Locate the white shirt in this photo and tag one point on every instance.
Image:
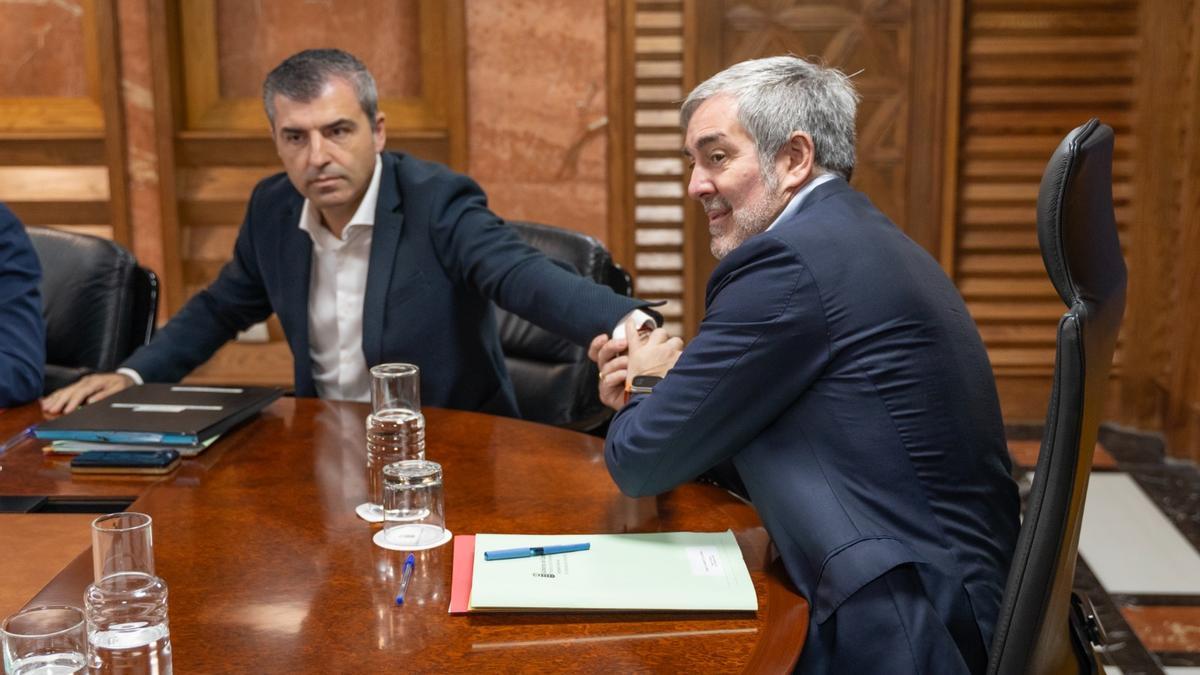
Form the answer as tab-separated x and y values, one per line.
336	290
794	205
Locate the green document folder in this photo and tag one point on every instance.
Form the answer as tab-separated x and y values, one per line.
661	571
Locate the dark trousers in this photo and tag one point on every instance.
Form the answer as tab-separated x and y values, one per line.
893	626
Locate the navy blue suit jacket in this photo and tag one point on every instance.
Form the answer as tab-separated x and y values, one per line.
438	259
839	370
22	329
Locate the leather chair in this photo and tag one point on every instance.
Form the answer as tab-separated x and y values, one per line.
554	381
98	303
1043	627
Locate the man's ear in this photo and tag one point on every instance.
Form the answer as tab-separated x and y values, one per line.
378	132
796	162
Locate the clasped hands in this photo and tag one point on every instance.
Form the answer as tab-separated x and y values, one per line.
647	352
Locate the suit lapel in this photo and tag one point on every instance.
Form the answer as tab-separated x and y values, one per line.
385	240
297	250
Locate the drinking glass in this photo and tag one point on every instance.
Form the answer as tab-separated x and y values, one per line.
395	428
413	506
121	542
395	387
45	641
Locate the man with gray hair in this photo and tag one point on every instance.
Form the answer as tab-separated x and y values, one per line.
837	379
366	257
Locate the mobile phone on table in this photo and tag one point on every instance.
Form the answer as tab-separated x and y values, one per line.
117	461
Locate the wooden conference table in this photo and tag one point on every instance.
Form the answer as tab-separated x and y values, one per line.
269	570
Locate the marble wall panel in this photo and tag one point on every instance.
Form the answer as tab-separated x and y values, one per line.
536	110
253	37
42	49
137	97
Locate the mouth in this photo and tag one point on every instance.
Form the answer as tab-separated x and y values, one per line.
716	214
716	208
324	181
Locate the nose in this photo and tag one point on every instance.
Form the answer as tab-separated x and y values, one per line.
317	156
699	184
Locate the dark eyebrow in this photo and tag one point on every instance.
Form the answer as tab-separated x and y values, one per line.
705	140
344	121
336	123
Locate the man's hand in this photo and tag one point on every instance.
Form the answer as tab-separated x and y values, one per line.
653	354
609	354
90	389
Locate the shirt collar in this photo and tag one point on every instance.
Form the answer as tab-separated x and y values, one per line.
794	205
364	216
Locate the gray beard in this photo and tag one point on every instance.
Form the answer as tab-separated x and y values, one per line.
749	221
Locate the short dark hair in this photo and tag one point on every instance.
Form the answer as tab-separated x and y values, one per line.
303	75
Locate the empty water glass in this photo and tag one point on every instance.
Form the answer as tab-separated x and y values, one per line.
413	506
122	542
395	386
44	641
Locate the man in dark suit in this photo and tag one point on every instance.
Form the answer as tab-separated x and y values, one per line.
838	371
367	257
22	329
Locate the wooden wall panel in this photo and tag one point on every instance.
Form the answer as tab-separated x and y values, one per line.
1158	388
648	232
61	160
1030	74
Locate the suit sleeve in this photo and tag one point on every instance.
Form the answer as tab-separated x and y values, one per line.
22	329
762	343
236	300
480	249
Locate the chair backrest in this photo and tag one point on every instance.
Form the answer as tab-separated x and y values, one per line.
1077	235
98	303
555	383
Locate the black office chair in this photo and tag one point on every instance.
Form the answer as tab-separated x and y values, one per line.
554	381
98	303
1043	627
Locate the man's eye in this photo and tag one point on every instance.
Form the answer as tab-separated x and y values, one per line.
293	138
339	132
717	157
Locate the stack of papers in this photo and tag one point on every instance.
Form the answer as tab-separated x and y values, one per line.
79	447
659	571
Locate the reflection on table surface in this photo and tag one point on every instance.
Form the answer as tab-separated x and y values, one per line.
269	569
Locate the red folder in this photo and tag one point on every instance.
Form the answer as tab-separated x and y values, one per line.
460	580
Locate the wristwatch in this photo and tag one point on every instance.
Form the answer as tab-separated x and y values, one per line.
643	384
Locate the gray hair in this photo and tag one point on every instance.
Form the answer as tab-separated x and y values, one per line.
302	76
780	95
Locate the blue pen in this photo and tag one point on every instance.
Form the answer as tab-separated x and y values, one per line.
530	551
18	438
405	576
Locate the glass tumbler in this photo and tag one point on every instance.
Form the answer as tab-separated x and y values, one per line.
44	640
122	542
395	386
413	506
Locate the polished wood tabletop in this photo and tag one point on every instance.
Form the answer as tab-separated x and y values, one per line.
269	569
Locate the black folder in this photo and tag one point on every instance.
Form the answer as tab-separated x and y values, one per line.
160	414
